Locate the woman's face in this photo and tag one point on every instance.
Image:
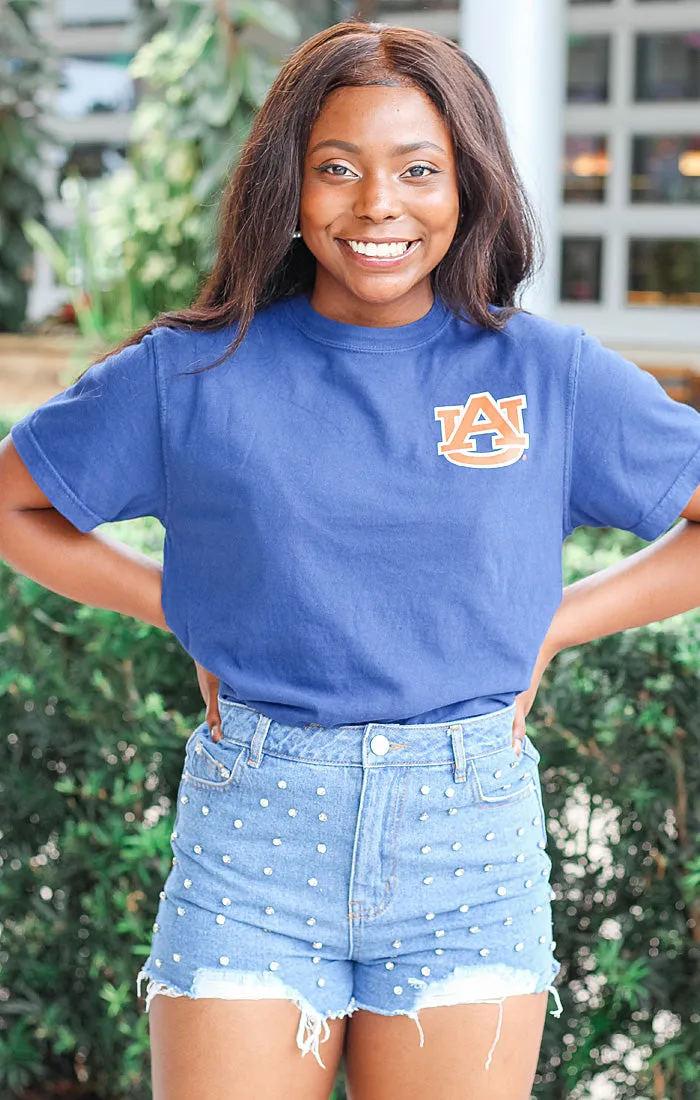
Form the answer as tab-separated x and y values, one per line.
379	203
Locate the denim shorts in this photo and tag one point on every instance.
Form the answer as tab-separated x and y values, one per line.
381	866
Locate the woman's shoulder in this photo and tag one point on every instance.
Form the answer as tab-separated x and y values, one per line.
187	348
525	326
534	338
187	341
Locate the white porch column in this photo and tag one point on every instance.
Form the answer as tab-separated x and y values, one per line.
520	45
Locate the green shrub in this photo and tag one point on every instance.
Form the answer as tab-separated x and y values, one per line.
27	74
95	708
616	723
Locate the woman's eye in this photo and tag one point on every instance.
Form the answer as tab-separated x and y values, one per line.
415	168
341	171
328	169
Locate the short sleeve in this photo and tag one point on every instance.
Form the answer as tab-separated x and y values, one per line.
95	449
635	451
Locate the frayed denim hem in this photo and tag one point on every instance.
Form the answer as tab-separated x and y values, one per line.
313	1026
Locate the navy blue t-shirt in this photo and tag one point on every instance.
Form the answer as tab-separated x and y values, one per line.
366	524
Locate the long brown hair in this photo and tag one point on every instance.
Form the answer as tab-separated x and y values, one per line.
259	261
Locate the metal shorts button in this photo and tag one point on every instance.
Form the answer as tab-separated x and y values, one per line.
379	745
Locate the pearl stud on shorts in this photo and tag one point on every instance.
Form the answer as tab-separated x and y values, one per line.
370	838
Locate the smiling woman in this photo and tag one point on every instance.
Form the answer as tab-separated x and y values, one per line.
366	457
379	218
447	185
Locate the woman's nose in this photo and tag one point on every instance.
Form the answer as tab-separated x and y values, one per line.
377	198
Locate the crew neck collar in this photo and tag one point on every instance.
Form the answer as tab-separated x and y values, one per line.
364	337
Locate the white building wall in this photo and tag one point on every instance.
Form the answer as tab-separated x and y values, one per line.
520	47
651	329
493	31
76	29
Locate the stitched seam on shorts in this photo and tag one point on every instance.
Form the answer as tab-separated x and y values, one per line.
314	762
519	796
485	718
374	910
389	886
233	780
204	785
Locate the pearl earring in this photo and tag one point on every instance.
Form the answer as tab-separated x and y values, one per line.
296	234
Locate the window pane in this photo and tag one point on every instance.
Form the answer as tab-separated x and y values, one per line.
668	66
386	6
586	168
666	168
74	13
94	84
91	160
581	263
664	272
589	62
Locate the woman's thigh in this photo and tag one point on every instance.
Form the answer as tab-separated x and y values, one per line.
384	1060
211	1049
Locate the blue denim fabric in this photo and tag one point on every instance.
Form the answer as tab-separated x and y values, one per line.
385	867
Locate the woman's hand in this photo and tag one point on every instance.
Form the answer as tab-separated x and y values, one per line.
524	701
209	687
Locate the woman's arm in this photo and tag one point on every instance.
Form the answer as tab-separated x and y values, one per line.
93	568
659	581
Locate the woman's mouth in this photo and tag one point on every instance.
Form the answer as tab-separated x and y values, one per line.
386	253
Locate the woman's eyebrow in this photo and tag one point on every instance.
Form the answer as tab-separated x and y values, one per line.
397	151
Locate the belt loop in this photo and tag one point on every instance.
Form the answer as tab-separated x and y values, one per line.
460	760
256	745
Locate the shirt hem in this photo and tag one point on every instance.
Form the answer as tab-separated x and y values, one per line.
672	502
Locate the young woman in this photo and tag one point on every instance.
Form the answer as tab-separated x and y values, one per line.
366	457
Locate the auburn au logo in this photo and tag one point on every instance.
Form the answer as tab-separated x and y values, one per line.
482	414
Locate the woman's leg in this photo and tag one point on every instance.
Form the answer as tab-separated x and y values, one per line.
384	1059
213	1049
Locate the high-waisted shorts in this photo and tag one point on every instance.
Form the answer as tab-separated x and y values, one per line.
383	867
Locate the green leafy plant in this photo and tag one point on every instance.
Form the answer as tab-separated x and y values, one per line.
143	238
25	72
615	721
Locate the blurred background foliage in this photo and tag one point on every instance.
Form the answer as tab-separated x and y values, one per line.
26	71
95	709
143	237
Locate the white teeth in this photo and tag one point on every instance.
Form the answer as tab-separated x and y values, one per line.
369	248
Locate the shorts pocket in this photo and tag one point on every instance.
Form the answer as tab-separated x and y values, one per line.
502	777
212	764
